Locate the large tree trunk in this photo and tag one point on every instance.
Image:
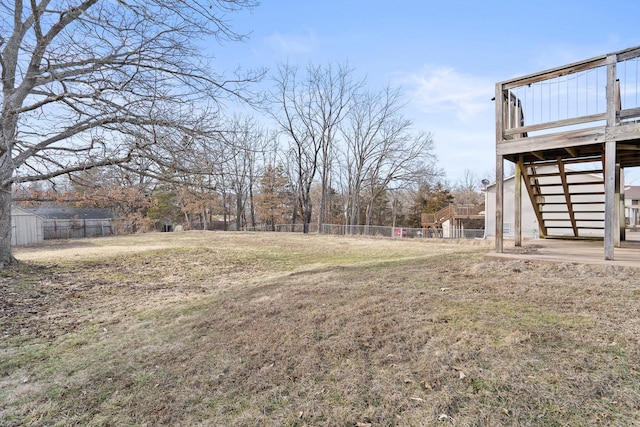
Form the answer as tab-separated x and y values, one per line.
306	215
368	216
252	206
6	257
239	210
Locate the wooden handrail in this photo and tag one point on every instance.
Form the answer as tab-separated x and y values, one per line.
449	212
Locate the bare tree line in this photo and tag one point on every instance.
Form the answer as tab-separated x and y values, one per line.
346	137
118	99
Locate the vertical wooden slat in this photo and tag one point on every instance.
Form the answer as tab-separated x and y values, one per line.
567	196
499	169
529	174
610	163
499	203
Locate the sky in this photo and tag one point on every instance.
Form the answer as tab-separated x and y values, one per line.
446	56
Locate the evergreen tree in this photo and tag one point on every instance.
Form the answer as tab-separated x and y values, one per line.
274	202
429	199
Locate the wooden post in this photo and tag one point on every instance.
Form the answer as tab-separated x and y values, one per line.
518	208
622	218
616	202
499	204
610	163
499	169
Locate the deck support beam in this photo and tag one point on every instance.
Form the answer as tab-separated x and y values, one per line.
610	164
500	104
499	204
622	219
518	206
609	199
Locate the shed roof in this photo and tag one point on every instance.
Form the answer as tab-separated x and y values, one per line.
17	210
632	192
69	213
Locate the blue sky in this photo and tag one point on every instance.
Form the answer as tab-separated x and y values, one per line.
445	55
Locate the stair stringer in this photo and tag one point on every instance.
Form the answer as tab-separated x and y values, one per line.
546	180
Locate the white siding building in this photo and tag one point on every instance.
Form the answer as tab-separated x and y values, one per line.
26	227
632	205
587	206
530	228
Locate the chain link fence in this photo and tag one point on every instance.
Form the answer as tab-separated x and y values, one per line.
79	228
371	230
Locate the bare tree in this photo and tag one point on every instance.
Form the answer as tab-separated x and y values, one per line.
308	111
380	151
363	135
244	141
467	189
88	83
403	157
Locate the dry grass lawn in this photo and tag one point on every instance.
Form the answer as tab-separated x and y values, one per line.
239	329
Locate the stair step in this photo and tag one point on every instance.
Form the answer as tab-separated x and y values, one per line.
575	211
567	173
570	184
573	203
579	227
575	219
586	193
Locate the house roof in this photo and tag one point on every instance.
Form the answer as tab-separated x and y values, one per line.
632	192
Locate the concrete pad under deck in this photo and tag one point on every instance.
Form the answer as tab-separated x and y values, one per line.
571	251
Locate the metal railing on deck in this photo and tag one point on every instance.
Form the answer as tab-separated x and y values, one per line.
572	97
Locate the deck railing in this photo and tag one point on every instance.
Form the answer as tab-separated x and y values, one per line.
579	96
452	211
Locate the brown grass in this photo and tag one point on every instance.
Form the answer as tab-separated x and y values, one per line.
242	329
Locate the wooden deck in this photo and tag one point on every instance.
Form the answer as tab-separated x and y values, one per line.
452	212
543	251
585	113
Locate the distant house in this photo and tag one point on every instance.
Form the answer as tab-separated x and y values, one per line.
26	227
632	205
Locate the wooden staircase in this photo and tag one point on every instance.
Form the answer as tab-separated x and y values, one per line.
452	212
568	203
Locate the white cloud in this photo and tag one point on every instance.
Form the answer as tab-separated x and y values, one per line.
457	109
292	44
438	90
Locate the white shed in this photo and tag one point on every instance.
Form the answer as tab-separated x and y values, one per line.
26	227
